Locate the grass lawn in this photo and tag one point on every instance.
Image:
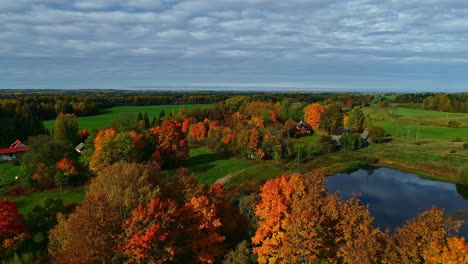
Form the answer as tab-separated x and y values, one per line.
8	172
26	203
409	122
209	167
308	144
256	174
108	115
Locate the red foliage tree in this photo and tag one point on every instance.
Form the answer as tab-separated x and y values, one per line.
203	229
151	233
67	166
12	227
171	142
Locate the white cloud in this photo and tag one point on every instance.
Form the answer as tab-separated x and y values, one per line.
254	32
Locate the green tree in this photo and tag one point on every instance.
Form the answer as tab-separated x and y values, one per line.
356	120
66	129
43	216
240	255
351	141
376	134
331	118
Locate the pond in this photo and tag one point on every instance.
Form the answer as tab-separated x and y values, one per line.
395	196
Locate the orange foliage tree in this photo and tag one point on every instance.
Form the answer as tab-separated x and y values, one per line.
411	242
300	222
171	142
198	132
312	115
455	251
100	137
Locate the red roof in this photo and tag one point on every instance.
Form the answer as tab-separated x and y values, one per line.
15	144
13	150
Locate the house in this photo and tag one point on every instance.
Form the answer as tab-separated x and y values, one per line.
79	147
302	128
365	137
15	150
337	133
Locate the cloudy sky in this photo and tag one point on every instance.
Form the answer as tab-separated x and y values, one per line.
293	45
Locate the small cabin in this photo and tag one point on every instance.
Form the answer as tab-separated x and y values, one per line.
302	128
15	150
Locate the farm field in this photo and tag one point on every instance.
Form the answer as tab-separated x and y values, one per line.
427	124
108	115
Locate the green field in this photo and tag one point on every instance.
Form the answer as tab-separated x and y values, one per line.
307	144
26	203
108	115
209	167
8	172
426	124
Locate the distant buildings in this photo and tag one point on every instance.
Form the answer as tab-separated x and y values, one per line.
15	150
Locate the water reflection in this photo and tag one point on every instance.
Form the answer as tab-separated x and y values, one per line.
395	196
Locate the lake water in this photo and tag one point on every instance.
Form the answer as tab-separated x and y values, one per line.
395	196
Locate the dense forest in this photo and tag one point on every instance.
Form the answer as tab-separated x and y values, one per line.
135	211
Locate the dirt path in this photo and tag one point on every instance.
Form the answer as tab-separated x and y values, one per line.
226	178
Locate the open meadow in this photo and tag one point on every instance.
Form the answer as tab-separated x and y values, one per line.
404	122
106	116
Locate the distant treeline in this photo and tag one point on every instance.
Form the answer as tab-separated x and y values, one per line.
457	103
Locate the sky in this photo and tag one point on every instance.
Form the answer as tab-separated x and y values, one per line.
254	45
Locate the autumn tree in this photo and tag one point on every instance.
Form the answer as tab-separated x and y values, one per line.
331	118
101	136
299	222
66	129
356	120
198	132
12	227
312	115
454	251
171	142
203	228
67	170
416	238
90	234
152	233
289	128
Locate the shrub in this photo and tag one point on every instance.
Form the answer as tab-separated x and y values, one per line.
15	162
465	145
457	139
453	123
18	191
326	144
376	134
354	166
463	174
351	141
452	150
